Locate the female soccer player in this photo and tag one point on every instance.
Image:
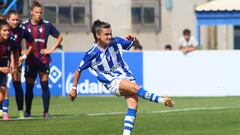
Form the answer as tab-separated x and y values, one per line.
105	59
17	33
38	62
6	57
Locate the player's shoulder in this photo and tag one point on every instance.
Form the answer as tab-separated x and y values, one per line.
25	22
94	50
21	27
46	21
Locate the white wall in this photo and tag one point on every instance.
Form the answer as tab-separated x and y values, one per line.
201	73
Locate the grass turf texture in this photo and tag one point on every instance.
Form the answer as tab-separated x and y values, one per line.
73	117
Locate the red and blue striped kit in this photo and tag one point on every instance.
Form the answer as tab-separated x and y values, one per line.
40	33
18	34
5	51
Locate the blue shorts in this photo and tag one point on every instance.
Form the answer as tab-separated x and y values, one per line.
31	71
3	80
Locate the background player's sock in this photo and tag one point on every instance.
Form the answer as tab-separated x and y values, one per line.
45	96
18	94
149	96
5	106
1	110
129	121
29	97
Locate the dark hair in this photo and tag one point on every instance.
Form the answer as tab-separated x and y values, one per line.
35	4
139	47
3	23
168	47
186	32
10	13
97	26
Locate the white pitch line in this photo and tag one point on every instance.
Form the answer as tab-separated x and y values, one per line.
117	113
167	111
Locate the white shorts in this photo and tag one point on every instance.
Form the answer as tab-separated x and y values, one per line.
113	87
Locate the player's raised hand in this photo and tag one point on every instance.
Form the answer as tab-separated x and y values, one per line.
72	94
131	37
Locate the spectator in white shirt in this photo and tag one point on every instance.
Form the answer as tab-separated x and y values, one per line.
187	43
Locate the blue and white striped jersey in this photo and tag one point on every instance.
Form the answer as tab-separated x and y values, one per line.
107	64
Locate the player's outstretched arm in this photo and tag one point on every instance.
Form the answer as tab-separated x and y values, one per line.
73	92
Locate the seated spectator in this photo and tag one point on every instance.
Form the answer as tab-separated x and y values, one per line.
168	47
187	43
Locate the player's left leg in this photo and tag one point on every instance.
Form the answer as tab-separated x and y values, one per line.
45	93
16	77
130	117
2	96
5	106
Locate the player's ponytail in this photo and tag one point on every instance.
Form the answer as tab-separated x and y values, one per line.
35	4
97	26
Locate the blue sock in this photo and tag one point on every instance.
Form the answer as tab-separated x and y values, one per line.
29	97
18	94
5	105
129	121
45	96
149	96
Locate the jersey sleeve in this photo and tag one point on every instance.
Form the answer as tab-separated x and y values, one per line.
53	31
28	36
126	44
86	62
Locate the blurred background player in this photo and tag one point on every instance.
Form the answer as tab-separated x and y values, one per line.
105	59
168	47
3	5
38	62
187	43
17	33
6	57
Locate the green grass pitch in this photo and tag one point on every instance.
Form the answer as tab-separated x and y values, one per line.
104	116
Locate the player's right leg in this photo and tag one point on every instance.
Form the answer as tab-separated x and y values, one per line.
16	77
44	71
127	87
30	75
130	117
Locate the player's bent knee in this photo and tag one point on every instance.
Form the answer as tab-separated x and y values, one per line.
135	88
